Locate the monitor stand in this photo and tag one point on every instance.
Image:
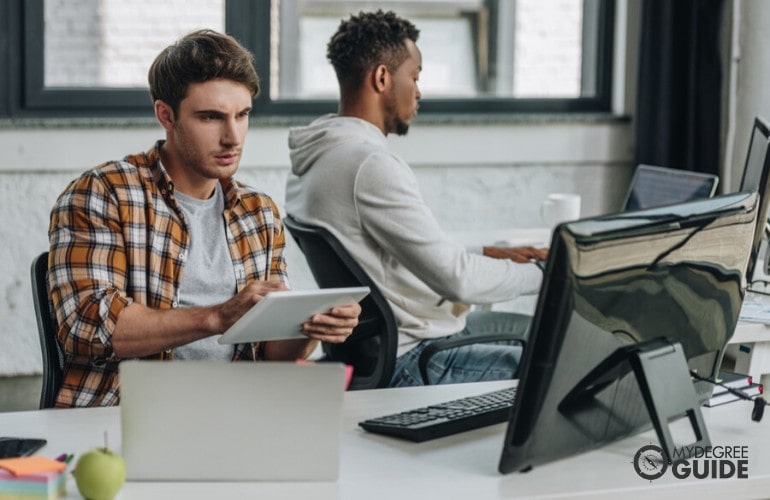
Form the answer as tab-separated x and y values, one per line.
661	371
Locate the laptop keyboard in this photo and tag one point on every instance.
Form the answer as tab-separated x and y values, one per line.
445	419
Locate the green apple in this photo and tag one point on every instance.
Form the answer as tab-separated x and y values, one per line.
99	474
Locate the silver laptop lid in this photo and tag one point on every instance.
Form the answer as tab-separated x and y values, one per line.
214	421
658	186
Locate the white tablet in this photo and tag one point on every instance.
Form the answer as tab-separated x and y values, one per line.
280	315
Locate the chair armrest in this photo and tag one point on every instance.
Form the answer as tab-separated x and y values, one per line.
443	345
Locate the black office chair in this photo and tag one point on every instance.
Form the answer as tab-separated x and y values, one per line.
371	349
53	354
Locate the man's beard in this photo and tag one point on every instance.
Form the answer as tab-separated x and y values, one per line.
396	125
402	127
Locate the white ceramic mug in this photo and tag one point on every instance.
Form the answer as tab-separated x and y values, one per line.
560	207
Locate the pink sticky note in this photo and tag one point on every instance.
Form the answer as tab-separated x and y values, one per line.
348	375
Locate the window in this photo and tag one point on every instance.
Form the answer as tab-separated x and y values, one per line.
90	57
111	43
479	56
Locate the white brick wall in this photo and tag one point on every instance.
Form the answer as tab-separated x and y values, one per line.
547	45
113	42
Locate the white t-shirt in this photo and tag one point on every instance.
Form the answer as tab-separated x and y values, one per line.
208	277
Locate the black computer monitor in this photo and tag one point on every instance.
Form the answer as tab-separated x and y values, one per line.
675	273
756	177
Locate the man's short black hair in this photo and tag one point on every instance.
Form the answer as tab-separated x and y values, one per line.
366	40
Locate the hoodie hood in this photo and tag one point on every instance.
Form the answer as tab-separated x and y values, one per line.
307	144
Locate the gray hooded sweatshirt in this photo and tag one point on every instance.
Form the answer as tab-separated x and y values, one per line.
344	178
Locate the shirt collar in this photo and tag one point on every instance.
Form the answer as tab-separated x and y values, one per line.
166	184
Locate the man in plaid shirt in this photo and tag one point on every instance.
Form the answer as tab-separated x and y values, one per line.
155	255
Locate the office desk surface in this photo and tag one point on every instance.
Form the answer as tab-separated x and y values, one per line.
463	466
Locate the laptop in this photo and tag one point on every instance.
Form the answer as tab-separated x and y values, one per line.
215	421
658	186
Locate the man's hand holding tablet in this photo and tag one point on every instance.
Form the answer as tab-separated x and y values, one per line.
281	314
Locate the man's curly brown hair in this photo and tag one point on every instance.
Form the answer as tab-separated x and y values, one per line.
366	40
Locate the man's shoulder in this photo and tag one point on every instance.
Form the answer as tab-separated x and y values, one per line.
111	173
365	154
384	163
248	192
252	198
135	165
121	167
119	178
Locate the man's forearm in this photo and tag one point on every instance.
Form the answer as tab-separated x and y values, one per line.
141	331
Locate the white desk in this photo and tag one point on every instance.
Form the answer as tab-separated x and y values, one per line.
457	467
750	346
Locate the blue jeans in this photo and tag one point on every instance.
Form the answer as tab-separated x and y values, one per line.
468	363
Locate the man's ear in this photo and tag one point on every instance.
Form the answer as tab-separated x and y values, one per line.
381	78
164	114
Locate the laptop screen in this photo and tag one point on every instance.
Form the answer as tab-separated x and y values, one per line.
658	186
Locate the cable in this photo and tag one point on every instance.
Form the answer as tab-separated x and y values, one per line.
759	402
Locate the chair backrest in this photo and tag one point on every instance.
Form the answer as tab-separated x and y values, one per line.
371	349
53	354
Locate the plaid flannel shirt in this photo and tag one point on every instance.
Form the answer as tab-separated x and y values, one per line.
117	236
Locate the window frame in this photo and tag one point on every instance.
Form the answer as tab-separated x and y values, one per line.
36	98
22	52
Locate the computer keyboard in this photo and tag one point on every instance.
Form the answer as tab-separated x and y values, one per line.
444	419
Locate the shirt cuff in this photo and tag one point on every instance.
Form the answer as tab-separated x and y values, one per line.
479	250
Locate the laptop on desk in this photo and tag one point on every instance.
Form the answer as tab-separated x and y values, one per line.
658	186
650	187
214	421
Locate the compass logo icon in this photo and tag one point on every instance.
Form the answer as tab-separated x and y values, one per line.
650	462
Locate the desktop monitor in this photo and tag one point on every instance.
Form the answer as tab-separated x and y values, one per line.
653	186
756	177
675	272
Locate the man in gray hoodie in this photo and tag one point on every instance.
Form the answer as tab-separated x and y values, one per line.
345	179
